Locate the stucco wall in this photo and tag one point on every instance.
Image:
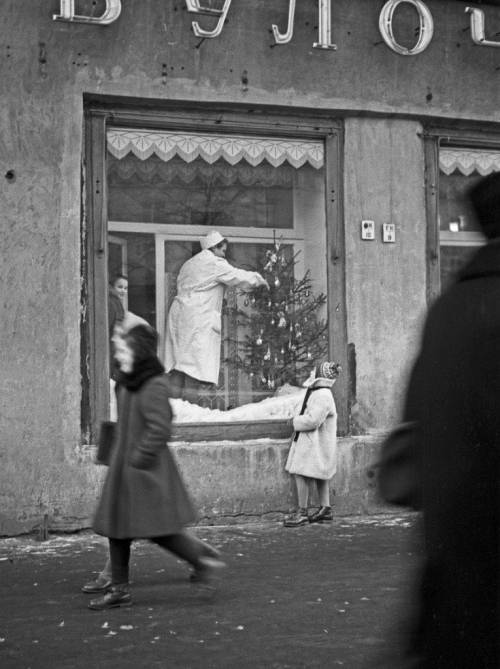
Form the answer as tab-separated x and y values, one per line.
46	67
238	479
384	182
228	481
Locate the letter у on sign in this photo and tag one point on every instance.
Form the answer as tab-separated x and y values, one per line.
194	7
113	10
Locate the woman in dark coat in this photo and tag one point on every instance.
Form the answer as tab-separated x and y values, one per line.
144	496
454	395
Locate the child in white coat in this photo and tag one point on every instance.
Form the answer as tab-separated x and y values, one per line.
313	453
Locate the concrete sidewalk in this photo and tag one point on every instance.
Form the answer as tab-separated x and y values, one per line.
316	596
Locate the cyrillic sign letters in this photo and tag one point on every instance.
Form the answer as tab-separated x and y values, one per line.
113	10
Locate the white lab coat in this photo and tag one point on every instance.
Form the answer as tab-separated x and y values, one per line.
193	336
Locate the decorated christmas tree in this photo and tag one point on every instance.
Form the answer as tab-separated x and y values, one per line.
283	328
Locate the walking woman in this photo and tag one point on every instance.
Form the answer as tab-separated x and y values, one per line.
313	454
144	496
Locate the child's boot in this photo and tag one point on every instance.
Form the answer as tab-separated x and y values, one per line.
324	513
297	519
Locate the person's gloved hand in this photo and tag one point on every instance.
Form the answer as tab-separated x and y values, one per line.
141	459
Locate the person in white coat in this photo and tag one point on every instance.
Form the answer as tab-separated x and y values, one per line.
193	335
312	458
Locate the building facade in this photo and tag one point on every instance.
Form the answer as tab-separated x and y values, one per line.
347	131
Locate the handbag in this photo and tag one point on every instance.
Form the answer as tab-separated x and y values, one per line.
105	442
399	480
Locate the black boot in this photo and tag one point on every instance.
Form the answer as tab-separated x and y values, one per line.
117	595
100	584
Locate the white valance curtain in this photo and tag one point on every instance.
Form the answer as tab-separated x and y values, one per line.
212	147
469	161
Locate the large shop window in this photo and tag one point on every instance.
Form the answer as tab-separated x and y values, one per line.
459	235
167	189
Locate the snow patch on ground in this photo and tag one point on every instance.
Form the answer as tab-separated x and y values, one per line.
86	541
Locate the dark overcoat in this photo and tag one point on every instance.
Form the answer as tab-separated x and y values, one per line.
143	494
454	394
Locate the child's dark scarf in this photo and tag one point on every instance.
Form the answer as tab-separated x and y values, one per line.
303	408
142	371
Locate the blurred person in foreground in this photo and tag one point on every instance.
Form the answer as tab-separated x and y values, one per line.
454	397
144	496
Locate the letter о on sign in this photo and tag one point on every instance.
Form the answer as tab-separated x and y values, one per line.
425	31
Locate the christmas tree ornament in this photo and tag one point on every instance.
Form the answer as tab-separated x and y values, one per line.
277	282
246	302
258	341
267	356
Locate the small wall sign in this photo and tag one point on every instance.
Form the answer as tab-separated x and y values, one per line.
389	233
368	230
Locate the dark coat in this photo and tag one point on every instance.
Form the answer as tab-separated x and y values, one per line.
143	495
454	394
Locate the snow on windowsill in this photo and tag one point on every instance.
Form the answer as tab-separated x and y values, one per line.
281	407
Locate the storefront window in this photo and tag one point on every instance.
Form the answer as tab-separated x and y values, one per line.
167	190
460	169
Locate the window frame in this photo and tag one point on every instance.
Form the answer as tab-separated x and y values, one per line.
435	136
99	114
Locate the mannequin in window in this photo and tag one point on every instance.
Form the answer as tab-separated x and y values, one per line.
193	334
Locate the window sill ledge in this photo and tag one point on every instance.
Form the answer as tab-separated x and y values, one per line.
231	431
